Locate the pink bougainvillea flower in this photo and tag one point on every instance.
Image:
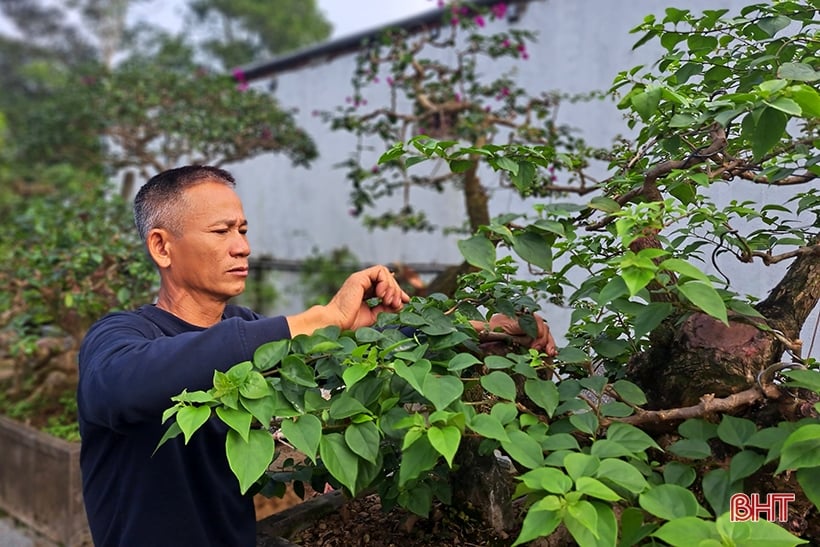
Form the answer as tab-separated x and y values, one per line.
479	20
499	10
239	76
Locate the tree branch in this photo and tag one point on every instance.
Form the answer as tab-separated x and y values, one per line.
708	404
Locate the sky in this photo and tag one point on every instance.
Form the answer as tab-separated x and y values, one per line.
347	16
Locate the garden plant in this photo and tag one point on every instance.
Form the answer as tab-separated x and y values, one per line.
673	391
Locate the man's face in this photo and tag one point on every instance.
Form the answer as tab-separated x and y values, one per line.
209	258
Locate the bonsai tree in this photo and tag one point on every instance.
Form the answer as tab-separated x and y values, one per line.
674	392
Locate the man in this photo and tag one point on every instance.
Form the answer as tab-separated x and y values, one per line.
132	363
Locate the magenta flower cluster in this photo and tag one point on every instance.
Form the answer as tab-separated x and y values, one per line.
239	76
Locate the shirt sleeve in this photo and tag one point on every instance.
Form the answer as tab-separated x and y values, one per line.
128	374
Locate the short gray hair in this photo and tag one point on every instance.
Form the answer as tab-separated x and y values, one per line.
159	201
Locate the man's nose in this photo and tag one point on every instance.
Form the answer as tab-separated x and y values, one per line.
240	246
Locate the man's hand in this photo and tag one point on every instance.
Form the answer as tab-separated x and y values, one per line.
350	303
508	326
349	308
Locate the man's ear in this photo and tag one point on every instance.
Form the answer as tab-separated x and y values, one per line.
158	242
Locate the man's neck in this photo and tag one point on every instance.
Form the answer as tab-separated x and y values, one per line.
197	312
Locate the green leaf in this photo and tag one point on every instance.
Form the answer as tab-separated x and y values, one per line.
523	449
687	531
488	426
697	428
579	465
705	297
809	480
678	473
646	103
694	449
418	458
633	529
772	25
363	439
800	72
718	489
172	431
650	317
629	392
255	386
238	420
304	433
479	252
340	461
760	533
595	489
548	479
808	379
414	375
267	407
801	449
543	393
683	268
744	464
786	105
524	177
604	448
249	460
271	354
591	523
345	405
622	474
808	99
442	390
460	166
669	501
355	372
559	441
605	204
586	422
768	131
394	152
499	384
584	517
462	361
445	440
735	431
537	523
636	279
534	248
296	371
631	437
190	418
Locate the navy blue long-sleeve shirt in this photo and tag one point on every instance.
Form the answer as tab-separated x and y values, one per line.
131	364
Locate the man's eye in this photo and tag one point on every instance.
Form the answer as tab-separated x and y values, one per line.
220	231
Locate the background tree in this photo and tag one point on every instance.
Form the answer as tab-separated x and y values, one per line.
439	87
244	31
88	99
673	392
